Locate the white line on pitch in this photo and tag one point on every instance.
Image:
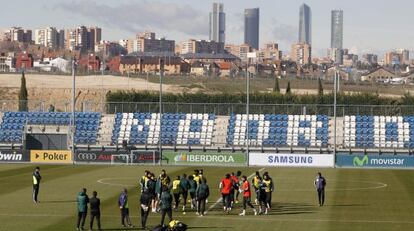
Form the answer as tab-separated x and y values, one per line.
258	218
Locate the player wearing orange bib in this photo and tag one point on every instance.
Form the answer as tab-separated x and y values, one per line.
246	191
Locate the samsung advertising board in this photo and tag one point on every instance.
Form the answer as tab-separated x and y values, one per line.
374	161
291	160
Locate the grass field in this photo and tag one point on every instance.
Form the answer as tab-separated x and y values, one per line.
356	199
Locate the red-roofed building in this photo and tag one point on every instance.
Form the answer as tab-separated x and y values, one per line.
24	61
90	62
228	69
113	64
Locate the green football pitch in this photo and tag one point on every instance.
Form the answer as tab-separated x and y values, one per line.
355	199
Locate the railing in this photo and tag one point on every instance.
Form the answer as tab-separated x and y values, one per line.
216	108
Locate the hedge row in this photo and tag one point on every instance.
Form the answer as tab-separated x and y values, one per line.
259	98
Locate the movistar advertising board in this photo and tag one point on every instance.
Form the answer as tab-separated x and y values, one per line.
375	161
204	158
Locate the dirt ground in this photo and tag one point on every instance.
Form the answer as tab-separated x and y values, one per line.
44	90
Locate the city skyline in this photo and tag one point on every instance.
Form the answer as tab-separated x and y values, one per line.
217	23
337	26
305	24
367	31
252	27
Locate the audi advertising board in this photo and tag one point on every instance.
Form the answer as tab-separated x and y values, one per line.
136	157
13	156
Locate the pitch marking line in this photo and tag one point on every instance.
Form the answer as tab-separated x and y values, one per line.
376	185
263	218
221	199
102	181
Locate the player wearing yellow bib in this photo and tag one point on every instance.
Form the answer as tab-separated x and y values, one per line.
144	180
268	183
197	177
36	184
176	190
165	179
255	183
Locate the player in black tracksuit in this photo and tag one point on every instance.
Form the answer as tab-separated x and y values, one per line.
95	205
320	184
36	184
145	200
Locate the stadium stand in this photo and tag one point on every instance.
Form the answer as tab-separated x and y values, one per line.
209	130
13	124
269	130
176	128
378	132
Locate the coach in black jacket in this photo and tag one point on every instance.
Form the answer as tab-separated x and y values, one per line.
36	184
95	205
145	200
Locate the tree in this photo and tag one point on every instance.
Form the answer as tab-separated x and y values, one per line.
23	94
276	87
288	90
320	87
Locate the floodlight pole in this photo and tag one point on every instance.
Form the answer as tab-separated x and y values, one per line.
161	63
102	89
73	107
335	104
247	108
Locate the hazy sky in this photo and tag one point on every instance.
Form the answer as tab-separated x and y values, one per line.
369	25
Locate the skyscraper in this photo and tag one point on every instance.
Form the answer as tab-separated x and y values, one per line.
47	37
218	23
337	33
305	24
251	27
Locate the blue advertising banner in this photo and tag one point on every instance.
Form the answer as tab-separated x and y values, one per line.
375	161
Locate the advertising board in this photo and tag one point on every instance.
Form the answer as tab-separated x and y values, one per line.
135	156
204	158
291	160
13	156
375	161
51	156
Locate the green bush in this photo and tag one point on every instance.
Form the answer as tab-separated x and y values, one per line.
126	101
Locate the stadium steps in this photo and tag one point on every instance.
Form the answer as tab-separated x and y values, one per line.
105	129
339	131
220	133
1	117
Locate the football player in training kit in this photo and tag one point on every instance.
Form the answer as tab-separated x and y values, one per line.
192	191
226	186
185	186
176	190
268	182
245	190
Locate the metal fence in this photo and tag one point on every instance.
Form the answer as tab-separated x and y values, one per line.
240	108
216	108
